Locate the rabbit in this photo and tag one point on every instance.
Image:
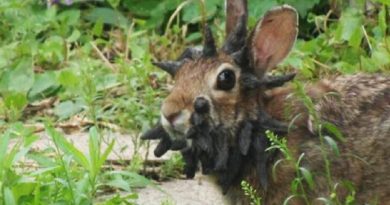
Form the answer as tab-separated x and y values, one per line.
224	101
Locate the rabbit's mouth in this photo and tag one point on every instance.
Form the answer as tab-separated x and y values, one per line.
178	125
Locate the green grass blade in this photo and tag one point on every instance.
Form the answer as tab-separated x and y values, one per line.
307	176
105	154
67	147
94	150
9	198
4	140
334	131
333	145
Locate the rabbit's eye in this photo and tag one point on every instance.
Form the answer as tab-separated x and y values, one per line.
226	80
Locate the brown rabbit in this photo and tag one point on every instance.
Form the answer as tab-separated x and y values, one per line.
223	102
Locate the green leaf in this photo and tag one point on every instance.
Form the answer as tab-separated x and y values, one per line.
274	166
42	160
307	176
107	16
23	188
333	145
345	67
369	64
43	171
325	200
192	12
104	156
94	150
334	130
70	17
385	2
193	37
382	20
44	85
20	79
67	109
381	56
4	140
97	29
53	49
302	6
69	79
142	8
257	9
119	182
106	82
287	200
9	198
15	101
74	36
350	27
82	188
114	3
135	179
163	8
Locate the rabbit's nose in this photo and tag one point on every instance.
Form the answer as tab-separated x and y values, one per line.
201	105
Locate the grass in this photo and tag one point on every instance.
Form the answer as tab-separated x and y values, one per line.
89	64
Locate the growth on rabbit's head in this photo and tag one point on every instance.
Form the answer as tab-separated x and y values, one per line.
225	83
215	107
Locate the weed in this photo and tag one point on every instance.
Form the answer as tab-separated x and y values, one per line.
173	167
251	193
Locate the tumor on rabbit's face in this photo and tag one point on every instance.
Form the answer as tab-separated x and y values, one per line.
221	87
214	114
206	86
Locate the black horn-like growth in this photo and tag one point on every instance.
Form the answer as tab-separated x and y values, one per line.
237	38
191	54
209	48
277	81
169	66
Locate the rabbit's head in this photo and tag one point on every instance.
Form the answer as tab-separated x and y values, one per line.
224	86
214	113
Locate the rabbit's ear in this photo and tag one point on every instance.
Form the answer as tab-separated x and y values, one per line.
235	9
273	38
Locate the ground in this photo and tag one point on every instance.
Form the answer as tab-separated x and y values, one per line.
197	191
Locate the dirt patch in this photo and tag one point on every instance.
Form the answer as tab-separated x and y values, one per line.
197	191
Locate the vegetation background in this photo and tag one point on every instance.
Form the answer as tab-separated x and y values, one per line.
84	65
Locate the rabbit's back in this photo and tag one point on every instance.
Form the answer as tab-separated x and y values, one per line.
359	106
365	120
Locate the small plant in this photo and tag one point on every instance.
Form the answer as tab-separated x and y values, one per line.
251	193
118	199
173	167
298	189
167	202
136	163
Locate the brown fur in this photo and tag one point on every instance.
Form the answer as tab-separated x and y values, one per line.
359	105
